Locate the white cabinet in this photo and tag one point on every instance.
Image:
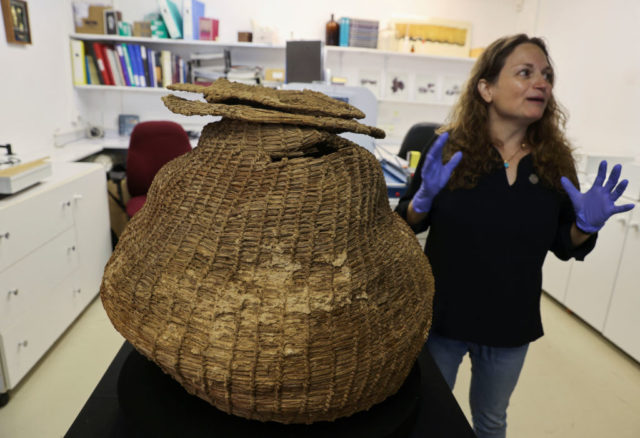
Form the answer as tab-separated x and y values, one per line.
591	281
55	243
555	276
622	325
604	289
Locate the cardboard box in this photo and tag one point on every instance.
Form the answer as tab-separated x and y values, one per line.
94	22
245	37
142	28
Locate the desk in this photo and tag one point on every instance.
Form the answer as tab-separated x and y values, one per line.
438	412
83	148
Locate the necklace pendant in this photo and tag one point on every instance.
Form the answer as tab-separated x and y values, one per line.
506	165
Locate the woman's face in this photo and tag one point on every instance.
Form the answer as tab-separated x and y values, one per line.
523	87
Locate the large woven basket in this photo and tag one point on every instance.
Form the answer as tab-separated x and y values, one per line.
266	272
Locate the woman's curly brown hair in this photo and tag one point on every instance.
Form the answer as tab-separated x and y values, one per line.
469	128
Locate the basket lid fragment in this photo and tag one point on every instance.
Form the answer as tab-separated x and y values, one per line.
300	102
247	113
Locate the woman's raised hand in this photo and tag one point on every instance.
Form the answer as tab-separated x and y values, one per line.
594	207
435	175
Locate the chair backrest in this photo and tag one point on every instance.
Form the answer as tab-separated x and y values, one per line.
417	138
152	145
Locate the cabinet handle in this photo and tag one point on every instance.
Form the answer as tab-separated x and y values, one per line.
13	292
66	204
635	225
71	248
23	344
77	291
5	235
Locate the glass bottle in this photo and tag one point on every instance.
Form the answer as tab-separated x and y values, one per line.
333	32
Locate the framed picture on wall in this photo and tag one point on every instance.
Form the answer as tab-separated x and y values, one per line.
427	88
397	85
16	21
370	79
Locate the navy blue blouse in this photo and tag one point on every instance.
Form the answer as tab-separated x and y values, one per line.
486	246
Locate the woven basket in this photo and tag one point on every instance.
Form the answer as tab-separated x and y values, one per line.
267	274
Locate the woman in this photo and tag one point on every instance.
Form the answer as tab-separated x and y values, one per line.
504	198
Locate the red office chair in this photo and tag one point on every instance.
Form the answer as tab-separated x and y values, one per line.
152	145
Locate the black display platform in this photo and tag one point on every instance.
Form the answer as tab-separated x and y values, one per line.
151	401
424	407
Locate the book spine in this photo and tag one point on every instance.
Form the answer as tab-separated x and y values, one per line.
182	70
158	67
344	31
165	59
78	62
93	60
197	11
107	64
175	75
134	64
102	66
145	66
171	17
151	66
187	19
123	64
126	51
87	63
139	65
113	65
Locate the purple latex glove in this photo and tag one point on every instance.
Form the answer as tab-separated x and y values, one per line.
434	175
594	207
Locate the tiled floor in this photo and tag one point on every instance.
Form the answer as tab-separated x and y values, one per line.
574	383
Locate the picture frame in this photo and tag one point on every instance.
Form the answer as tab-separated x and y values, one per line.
16	21
111	20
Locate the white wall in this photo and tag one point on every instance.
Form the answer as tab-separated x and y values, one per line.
591	43
491	18
594	46
35	87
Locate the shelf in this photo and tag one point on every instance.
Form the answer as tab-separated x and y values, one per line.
362	50
159	90
172	42
200	43
121	88
415	102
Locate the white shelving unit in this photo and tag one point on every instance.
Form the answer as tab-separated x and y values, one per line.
397	112
171	42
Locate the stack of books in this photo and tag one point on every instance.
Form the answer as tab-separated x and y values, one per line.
207	67
125	64
355	32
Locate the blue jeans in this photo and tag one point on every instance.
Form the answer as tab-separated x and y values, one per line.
494	374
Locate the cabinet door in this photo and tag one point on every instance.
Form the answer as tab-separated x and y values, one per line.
555	276
26	341
591	281
24	283
622	326
93	231
28	224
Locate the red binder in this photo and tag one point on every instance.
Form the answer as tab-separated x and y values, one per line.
103	63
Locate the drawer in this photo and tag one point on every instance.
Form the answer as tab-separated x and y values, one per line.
25	283
25	342
28	224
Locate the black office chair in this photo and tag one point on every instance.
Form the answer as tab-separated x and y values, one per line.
418	136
